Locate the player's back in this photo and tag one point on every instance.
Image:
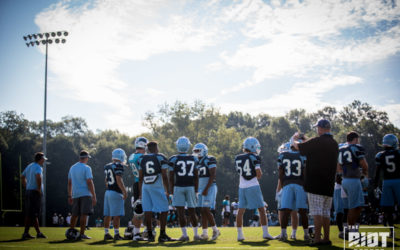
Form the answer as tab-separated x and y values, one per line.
111	170
151	166
293	164
349	159
205	163
184	167
389	162
246	165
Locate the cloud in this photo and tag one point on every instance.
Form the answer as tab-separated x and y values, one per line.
305	95
393	111
103	35
298	38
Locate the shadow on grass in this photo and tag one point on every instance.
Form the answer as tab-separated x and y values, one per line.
64	241
15	240
101	242
263	243
166	244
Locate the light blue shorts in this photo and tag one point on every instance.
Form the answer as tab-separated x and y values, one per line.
154	199
113	204
209	199
251	197
390	192
293	197
184	196
352	187
279	200
338	204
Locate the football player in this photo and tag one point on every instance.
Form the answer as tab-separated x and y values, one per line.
207	188
248	165
140	149
184	181
388	161
153	182
226	210
351	159
291	176
115	193
294	218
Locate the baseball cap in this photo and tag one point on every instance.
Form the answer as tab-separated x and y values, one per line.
323	123
39	156
84	154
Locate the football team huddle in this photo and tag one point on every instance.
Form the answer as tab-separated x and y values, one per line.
188	179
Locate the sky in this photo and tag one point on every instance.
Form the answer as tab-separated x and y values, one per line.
125	58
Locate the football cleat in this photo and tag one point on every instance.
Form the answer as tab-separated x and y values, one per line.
215	234
197	237
267	236
84	237
27	236
41	236
164	238
118	237
183	238
137	237
204	236
281	237
108	237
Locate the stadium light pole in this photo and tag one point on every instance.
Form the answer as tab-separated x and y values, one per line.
45	39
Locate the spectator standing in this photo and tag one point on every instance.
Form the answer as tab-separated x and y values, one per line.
81	193
319	177
60	220
31	178
68	219
55	220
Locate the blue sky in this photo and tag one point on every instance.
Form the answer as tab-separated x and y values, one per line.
124	59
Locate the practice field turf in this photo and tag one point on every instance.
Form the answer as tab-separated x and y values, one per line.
10	239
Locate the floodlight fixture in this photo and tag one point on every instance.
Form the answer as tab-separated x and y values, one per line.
35	39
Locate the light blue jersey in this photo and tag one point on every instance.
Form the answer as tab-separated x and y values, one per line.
79	174
30	173
134	164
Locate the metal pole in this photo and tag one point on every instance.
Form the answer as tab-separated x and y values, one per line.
44	140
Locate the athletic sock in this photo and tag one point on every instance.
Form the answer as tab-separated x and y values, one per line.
265	229
184	232
214	228
136	230
294	232
195	231
106	230
205	231
116	231
305	231
283	231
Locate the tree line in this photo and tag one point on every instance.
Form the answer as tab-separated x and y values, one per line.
222	133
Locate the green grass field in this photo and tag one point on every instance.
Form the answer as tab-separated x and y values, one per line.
10	239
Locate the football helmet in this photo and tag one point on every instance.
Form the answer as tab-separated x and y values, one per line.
141	142
284	147
390	141
183	144
138	209
119	154
200	150
72	234
252	144
128	234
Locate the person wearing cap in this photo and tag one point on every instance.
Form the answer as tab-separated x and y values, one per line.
32	180
81	193
319	176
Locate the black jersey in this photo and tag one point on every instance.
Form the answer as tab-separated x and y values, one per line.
151	165
293	164
388	161
204	164
111	171
349	159
184	167
246	165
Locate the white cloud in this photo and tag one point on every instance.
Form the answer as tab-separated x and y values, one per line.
297	38
393	111
305	95
104	34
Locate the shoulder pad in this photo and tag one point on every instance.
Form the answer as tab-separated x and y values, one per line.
212	159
